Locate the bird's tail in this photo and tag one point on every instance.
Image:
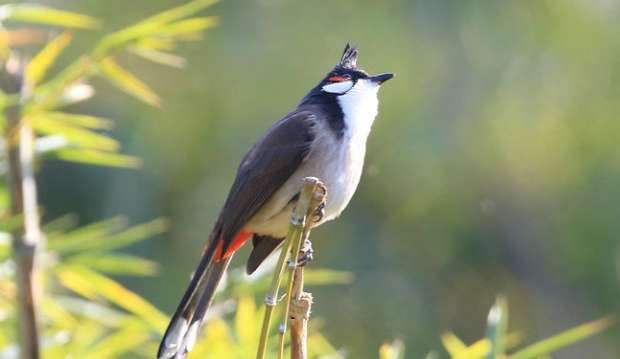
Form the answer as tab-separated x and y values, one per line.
182	331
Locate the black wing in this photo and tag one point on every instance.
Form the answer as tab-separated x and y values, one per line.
264	169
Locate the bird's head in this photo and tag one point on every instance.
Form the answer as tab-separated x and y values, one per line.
348	78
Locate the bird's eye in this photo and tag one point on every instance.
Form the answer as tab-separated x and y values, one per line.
339	78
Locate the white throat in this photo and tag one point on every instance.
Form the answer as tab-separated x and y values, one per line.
359	106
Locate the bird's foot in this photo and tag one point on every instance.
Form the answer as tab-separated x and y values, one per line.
318	214
306	253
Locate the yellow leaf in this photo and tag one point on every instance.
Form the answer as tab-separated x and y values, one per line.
94	283
75	135
132	335
563	339
76	283
452	343
39	14
36	69
127	82
98	158
475	351
190	26
246	323
97	123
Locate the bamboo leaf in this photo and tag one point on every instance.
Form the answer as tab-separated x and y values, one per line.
564	339
149	27
87	121
78	239
88	309
132	335
98	158
39	14
115	263
36	69
452	343
179	12
127	82
97	237
83	138
159	57
475	351
93	282
246	323
188	27
76	283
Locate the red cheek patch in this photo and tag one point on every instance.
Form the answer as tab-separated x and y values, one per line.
337	78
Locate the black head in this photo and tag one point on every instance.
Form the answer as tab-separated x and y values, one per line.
344	77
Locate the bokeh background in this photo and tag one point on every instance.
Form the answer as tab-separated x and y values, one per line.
493	166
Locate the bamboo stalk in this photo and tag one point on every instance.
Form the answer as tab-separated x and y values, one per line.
292	266
301	305
27	239
295	234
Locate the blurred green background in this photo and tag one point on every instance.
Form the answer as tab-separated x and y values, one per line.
493	166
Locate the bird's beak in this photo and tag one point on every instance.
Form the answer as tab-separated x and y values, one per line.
381	78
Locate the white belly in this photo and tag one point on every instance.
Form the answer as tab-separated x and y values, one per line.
336	161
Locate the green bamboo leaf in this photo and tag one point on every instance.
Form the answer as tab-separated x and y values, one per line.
87	121
88	309
115	263
97	236
39	14
98	158
132	335
77	136
36	69
79	239
60	225
159	57
179	12
149	27
130	236
188	27
127	82
497	327
564	339
93	282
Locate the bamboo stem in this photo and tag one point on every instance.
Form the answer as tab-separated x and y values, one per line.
301	304
295	235
292	266
27	239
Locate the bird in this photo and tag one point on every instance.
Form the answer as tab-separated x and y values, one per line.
324	137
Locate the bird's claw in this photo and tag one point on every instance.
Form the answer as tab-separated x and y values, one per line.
319	213
306	253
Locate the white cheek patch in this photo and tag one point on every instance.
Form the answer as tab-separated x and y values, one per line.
338	87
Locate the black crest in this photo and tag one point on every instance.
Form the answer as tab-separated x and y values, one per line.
349	57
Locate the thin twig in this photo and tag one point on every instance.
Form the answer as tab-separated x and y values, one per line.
27	239
295	235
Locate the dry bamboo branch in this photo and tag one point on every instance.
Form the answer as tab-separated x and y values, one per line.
27	239
301	305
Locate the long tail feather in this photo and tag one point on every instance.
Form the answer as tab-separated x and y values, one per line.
182	331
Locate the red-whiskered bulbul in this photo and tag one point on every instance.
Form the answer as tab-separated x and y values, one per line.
324	137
